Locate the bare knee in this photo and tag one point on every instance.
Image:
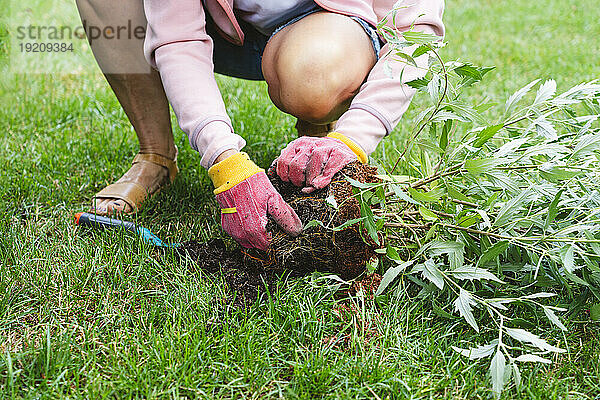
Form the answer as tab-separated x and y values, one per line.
308	89
308	71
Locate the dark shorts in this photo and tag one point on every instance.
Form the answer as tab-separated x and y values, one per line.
245	61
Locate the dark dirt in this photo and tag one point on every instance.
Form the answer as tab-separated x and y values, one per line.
345	253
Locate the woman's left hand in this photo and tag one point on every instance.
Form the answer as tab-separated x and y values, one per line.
311	162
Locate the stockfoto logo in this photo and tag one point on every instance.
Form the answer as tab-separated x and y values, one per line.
51	38
93	32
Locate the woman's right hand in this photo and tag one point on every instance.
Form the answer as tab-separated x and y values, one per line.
311	162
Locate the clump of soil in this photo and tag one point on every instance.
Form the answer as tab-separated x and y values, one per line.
317	248
344	252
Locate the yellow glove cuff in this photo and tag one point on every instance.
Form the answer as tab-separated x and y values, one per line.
231	171
360	153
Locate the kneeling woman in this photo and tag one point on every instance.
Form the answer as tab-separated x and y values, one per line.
323	63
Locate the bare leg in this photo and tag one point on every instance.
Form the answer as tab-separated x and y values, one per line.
305	128
307	70
138	89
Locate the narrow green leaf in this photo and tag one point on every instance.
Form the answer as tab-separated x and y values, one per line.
476	353
372	265
468	71
454	250
517	375
492	199
532	358
430	232
497	372
483	107
493	252
587	145
419	84
480	165
469	220
440	312
369	221
312	223
347	224
392	253
463	305
556	173
471	74
394	178
419	51
433	88
402	195
432	196
545	92
406	57
527	337
554	318
427	215
553	209
567	257
518	95
474	273
539	295
420	37
445	132
360	185
390	275
467	112
512	207
433	274
455	194
486	134
444	115
595	313
343	226
545	128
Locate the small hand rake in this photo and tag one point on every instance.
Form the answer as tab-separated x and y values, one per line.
100	222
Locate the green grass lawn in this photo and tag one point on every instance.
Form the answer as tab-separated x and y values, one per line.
99	315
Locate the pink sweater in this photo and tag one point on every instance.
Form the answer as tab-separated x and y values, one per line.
178	46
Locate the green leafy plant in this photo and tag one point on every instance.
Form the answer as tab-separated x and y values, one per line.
492	220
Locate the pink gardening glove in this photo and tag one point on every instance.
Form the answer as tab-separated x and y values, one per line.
253	199
246	197
312	162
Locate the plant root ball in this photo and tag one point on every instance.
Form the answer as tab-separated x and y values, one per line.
246	272
344	252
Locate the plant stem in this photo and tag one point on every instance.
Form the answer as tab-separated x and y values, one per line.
402	225
436	109
523	238
449	171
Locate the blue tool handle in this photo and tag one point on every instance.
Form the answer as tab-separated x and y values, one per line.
99	221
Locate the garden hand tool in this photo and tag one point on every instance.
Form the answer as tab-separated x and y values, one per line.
98	221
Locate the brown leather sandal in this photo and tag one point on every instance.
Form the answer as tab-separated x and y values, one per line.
133	193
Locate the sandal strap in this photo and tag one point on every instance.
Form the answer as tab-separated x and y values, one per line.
130	192
170	165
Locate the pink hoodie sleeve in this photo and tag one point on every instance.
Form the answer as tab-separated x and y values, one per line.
381	101
178	46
